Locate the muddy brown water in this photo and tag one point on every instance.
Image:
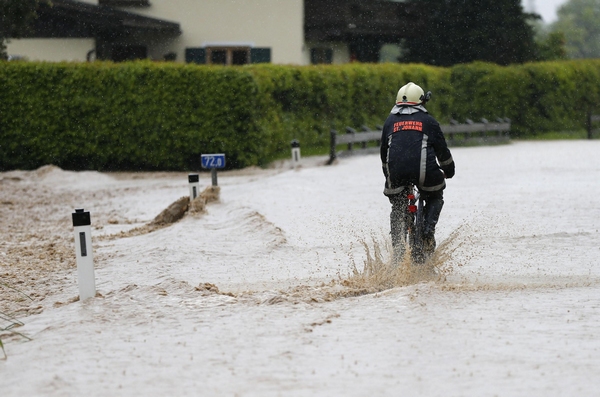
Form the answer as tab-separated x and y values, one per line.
37	257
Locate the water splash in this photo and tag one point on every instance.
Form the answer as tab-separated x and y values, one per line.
381	271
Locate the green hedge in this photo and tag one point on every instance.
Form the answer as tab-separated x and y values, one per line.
148	116
537	97
306	102
125	116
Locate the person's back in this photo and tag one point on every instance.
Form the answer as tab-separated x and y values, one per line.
414	150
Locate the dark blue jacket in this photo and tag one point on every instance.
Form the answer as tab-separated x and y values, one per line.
413	149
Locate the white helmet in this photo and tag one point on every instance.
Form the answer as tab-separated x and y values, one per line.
410	94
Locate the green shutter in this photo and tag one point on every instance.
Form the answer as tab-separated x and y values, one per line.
195	55
260	55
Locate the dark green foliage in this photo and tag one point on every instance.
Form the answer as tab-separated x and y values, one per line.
552	47
462	31
306	102
560	94
125	116
537	97
162	116
485	90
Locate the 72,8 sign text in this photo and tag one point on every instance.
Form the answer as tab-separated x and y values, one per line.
213	160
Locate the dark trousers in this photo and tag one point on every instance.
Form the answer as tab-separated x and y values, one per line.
434	201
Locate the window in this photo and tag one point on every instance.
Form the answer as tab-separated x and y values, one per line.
228	55
321	55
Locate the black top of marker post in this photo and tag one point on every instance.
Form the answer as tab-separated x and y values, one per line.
81	218
295	143
193	178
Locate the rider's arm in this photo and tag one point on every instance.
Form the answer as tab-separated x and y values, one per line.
441	151
384	149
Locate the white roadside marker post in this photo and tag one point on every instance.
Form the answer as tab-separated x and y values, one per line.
85	257
295	153
194	180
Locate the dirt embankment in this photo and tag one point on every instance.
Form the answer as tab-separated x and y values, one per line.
35	240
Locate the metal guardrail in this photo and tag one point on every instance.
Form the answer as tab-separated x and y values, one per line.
591	119
468	130
482	129
352	137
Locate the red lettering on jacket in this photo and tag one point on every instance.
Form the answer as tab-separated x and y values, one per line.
408	125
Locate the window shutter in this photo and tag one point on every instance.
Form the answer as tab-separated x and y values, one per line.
195	55
260	55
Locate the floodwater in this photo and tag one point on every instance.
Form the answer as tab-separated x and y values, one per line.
284	285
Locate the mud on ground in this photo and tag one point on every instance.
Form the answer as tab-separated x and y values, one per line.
36	233
37	257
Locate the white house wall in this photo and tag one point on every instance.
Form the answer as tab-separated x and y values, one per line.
276	24
51	50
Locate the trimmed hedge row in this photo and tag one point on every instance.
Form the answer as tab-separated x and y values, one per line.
537	97
150	116
130	116
306	102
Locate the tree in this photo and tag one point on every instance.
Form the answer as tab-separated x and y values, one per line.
16	18
461	31
579	20
550	45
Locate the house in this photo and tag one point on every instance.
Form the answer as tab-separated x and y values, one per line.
231	32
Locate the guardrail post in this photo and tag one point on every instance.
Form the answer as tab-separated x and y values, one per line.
507	133
451	136
499	132
588	123
350	130
484	132
332	146
468	134
363	144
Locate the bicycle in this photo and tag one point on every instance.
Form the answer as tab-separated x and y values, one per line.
412	224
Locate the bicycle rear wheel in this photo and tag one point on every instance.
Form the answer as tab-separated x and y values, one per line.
416	229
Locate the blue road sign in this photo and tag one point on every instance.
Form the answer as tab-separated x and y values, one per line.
213	160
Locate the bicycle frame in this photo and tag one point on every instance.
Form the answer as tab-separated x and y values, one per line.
414	223
417	248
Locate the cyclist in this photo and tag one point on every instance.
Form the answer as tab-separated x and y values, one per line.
414	150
